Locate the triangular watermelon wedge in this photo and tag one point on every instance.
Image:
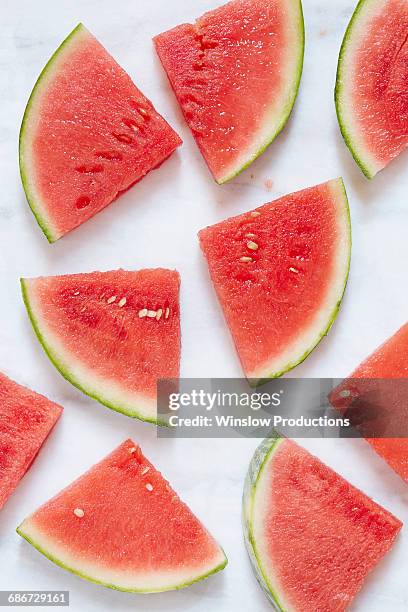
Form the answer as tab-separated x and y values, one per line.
26	419
122	525
87	135
280	272
236	73
388	361
111	334
311	536
372	83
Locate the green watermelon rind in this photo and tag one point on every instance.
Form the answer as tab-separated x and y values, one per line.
286	112
258	463
46	71
175	587
69	376
254	382
343	123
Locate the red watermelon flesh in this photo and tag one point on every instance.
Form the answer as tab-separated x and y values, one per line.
372	83
280	272
312	536
123	526
236	73
111	334
88	134
26	419
397	93
389	361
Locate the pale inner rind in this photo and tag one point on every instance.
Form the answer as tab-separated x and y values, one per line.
260	510
102	389
148	581
30	122
367	11
309	338
277	114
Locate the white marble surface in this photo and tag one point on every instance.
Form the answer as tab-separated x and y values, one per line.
155	224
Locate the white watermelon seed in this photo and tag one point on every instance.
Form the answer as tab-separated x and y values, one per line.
76	293
345	393
122	302
142	313
246	259
111	299
145	470
79	512
142	111
132	449
149	487
166	316
252	245
250	235
294	270
255	213
151	314
159	314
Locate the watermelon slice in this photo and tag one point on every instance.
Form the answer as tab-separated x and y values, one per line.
122	525
389	361
111	334
311	536
371	89
280	272
87	135
26	419
236	74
